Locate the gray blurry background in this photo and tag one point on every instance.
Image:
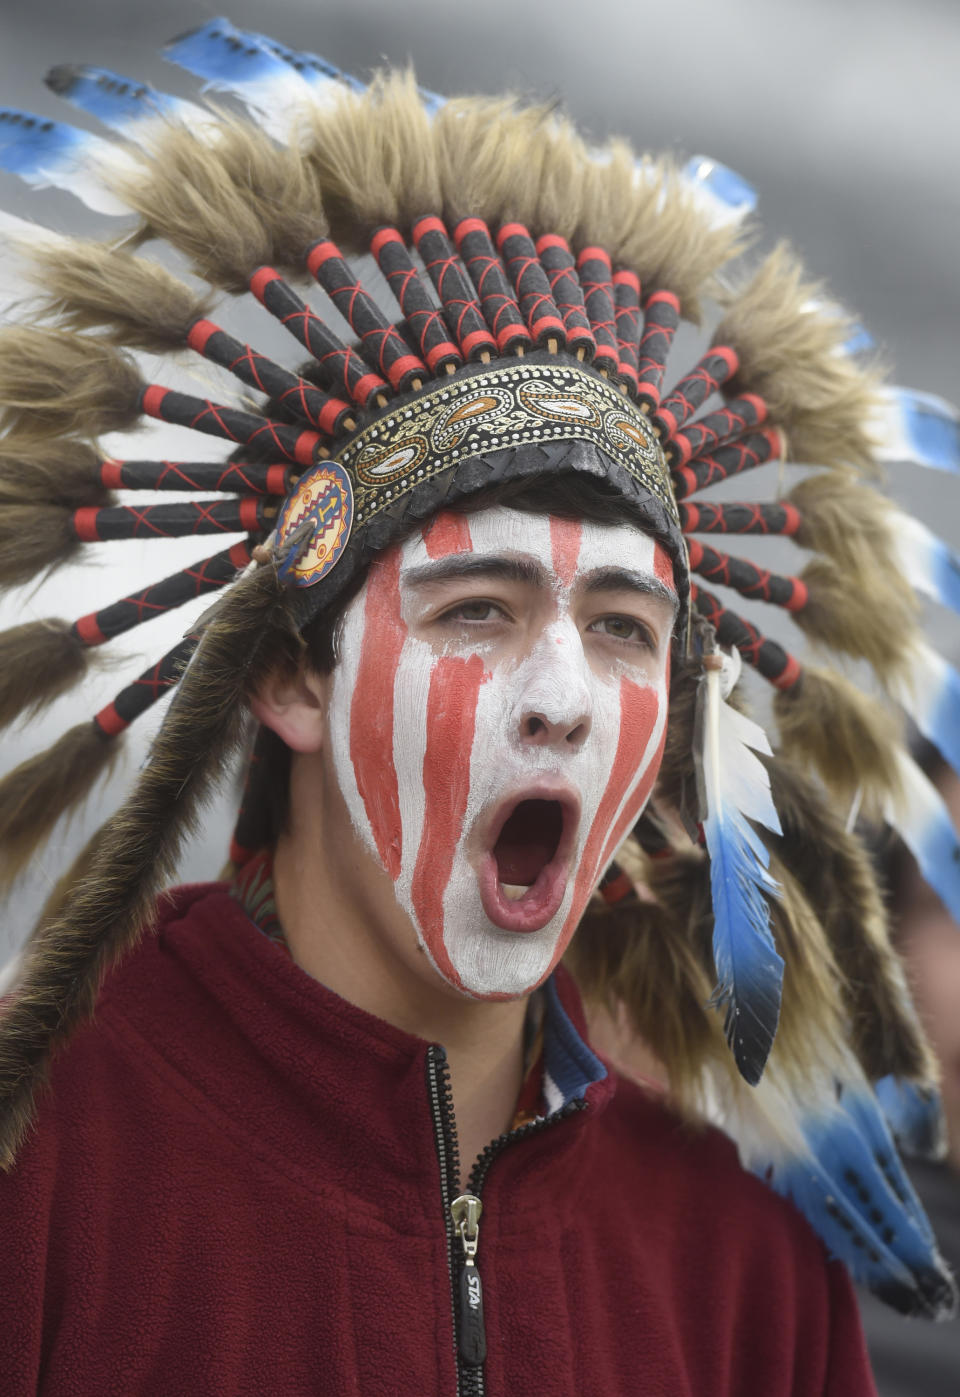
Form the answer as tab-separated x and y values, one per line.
843	114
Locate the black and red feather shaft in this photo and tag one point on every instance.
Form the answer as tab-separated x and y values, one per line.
735	457
714	428
208	575
596	280
560	266
144	692
424	318
711	371
740	517
381	344
629	325
344	369
323	411
759	584
776	665
233	424
179	519
531	284
497	299
461	308
227	477
661	316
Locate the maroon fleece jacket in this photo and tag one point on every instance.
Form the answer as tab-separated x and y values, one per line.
234	1188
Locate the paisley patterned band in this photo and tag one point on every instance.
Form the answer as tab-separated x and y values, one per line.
520	404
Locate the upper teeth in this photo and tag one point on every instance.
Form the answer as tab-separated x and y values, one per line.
514	891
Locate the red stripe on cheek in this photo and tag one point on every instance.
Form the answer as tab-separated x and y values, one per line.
447	533
371	710
639	707
451	723
634	807
565	539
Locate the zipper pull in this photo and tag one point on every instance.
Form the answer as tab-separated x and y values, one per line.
465	1212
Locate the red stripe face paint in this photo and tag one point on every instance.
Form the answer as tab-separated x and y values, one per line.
496	725
447	533
371	714
565	535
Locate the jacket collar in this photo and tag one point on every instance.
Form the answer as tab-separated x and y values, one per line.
305	1081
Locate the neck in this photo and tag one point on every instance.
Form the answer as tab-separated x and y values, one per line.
344	927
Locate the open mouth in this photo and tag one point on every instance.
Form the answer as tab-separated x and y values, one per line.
524	875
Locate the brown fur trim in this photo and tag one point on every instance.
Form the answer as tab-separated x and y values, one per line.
56	384
847	520
654	959
230	205
380	160
490	157
875	620
791	354
50	472
505	162
812	1027
373	156
827	722
655	226
35	795
838	880
130	859
33	538
136	303
38	662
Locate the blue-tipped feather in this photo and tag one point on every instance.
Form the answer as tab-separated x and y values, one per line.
931	695
860	341
226	58
931	566
119	102
852	1188
318	72
918	427
235	61
50	154
736	790
433	101
729	192
915	1117
922	820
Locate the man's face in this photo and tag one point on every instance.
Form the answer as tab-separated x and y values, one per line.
496	724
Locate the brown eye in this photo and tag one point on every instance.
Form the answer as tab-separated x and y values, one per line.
624	628
474	611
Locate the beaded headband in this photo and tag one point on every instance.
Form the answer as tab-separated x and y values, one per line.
524	403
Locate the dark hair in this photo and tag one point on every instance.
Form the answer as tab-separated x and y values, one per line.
572	495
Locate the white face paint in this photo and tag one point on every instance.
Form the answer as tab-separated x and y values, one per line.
493	763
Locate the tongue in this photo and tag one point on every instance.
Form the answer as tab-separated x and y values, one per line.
528	841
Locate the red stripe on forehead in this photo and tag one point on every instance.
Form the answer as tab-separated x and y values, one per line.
447	533
451	722
639	709
565	538
371	708
663	567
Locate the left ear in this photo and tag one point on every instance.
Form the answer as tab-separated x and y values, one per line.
293	704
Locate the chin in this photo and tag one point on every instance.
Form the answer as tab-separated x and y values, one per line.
487	961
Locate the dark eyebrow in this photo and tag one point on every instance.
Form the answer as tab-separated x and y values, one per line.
625	579
461	565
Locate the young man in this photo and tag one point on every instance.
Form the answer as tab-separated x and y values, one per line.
336	1125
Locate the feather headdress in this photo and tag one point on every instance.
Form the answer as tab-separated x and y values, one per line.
512	254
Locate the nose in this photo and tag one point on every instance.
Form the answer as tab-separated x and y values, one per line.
555	706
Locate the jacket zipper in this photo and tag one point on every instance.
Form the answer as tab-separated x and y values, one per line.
461	1214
